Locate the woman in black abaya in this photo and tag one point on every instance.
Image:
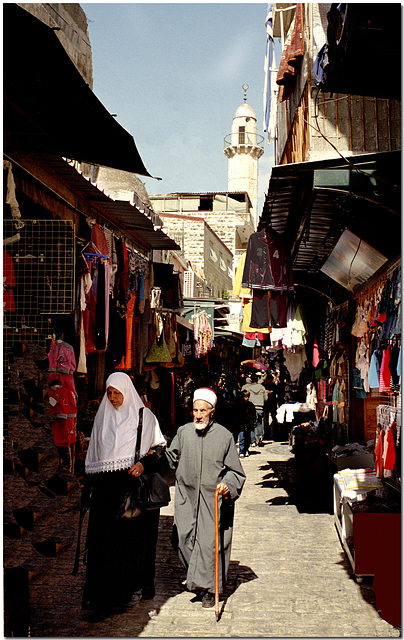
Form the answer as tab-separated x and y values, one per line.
120	551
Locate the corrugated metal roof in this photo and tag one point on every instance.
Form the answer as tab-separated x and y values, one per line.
312	218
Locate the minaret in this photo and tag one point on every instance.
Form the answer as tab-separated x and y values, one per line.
244	147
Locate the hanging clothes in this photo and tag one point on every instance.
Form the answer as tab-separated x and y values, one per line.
9	283
374	369
294	362
202	335
63	413
378	451
260	314
316	354
62	393
257	270
389	452
335	399
280	262
385	373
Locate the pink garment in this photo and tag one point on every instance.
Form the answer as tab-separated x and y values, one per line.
316	354
61	358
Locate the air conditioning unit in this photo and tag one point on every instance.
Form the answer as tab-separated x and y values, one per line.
189	284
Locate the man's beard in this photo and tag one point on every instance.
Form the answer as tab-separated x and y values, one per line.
200	426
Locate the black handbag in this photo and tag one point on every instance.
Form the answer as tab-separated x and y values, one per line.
148	491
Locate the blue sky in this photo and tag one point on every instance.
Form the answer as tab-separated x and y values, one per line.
173	74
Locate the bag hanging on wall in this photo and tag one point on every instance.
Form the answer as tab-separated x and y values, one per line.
147	492
158	351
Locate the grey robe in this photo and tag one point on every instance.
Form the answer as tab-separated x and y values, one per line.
203	460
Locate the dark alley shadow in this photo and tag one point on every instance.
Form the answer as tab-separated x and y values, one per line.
308	487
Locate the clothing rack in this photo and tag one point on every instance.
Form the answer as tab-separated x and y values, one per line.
386	415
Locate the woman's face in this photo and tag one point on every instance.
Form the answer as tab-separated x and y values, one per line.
115	397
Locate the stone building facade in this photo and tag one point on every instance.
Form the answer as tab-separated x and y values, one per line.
314	125
210	260
228	215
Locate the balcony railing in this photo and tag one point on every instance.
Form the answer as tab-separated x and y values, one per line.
239	138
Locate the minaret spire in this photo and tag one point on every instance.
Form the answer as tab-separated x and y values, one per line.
243	147
245	88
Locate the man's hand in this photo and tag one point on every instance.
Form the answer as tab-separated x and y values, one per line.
223	488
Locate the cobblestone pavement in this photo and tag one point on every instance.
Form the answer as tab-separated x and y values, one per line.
288	577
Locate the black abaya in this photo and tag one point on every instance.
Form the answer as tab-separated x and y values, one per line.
120	551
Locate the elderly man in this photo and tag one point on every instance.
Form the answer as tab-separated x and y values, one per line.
205	457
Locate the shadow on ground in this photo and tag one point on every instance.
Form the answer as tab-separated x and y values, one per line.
307	482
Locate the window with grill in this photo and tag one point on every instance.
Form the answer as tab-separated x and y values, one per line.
241	135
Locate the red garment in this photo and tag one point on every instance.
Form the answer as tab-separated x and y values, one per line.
389	454
63	412
99	241
256	336
62	403
291	57
8	281
64	432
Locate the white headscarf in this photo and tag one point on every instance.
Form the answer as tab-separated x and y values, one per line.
113	438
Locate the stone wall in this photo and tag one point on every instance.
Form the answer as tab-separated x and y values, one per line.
204	249
72	30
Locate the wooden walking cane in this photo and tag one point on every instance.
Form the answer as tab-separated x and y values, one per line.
217	553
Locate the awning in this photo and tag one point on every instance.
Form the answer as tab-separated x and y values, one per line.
49	107
312	203
87	199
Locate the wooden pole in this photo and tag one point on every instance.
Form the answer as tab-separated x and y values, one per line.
217	553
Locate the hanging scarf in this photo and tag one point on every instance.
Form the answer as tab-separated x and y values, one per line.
113	438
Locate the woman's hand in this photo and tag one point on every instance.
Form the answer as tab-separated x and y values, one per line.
223	488
136	470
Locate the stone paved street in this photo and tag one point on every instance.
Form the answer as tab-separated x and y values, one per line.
289	576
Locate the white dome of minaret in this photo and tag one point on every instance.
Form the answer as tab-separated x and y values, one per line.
243	147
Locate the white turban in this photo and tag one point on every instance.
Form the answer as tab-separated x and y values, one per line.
208	395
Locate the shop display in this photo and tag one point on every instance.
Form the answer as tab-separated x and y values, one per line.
367	515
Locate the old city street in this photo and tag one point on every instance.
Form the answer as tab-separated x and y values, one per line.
288	577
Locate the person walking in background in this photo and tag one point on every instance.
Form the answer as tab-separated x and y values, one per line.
224	399
270	407
120	551
242	417
258	396
205	457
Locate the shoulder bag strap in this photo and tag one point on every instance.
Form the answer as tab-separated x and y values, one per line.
139	434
